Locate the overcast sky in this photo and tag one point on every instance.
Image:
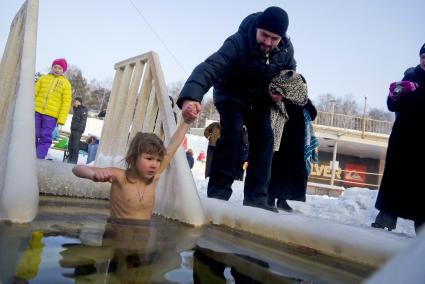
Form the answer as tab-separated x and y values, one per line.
344	48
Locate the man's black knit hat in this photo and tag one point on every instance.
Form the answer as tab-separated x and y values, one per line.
422	51
275	20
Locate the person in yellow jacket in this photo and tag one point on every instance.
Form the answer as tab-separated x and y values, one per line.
52	100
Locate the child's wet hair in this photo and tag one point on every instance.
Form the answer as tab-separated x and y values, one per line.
143	143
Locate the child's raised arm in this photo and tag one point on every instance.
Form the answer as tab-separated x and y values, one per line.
175	142
94	174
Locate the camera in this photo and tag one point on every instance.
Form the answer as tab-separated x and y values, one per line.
398	90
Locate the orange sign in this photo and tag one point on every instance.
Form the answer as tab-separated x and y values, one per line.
355	173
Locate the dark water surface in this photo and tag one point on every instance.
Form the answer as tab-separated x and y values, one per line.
71	241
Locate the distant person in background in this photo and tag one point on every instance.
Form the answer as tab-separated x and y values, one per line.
190	159
212	133
184	143
400	193
55	133
173	107
92	145
52	100
244	155
78	125
201	157
102	114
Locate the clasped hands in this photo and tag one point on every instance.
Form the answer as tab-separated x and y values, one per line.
190	111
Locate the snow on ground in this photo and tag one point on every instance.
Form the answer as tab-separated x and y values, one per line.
93	126
354	207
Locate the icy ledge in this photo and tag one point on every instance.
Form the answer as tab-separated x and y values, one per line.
369	246
57	179
405	267
364	245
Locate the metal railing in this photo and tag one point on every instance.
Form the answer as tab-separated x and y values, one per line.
360	123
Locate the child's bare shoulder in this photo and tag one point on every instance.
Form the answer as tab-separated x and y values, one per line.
117	172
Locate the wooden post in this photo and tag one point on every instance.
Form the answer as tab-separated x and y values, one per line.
364	118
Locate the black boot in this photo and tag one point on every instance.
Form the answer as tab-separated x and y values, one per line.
261	205
283	205
271	202
385	220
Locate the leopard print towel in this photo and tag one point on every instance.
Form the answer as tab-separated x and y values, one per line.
291	86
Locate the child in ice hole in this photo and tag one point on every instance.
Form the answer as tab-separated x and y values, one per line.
133	189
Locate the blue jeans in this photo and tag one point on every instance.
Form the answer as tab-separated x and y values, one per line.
226	161
91	152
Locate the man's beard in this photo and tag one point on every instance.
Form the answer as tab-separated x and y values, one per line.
264	48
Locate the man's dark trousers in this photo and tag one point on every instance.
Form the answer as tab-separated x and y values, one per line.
74	146
226	160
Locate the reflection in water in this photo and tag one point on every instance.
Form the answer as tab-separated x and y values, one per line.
29	262
211	267
183	274
127	252
71	241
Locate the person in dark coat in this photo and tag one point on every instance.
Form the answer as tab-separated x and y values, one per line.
212	133
190	159
78	125
240	72
400	190
92	146
289	174
102	113
243	155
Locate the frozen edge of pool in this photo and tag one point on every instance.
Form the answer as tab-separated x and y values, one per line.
364	245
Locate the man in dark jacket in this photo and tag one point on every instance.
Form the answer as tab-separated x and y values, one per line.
240	72
78	125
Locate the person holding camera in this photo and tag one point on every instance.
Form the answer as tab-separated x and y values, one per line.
400	190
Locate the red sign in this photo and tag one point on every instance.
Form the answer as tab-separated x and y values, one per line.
355	173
